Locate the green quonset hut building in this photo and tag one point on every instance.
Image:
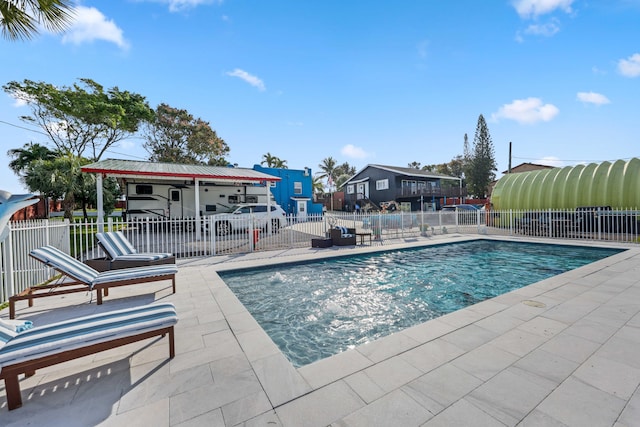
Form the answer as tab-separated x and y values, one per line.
614	184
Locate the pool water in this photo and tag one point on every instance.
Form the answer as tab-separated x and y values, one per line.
318	309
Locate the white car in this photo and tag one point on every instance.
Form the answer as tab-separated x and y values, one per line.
249	215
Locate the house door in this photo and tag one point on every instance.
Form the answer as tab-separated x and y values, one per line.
175	203
301	209
363	190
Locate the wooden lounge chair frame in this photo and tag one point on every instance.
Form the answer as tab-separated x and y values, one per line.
10	373
78	285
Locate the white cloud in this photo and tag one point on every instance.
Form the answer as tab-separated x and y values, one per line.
593	98
89	25
550	161
534	8
251	79
630	67
20	99
546	30
528	111
354	152
20	103
180	5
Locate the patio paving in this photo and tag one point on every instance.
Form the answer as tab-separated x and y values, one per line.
561	352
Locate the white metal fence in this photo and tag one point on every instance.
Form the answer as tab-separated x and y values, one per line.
185	239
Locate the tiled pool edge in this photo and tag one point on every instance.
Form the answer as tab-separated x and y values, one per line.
283	383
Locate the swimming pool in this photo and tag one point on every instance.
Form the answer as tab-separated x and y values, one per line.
316	309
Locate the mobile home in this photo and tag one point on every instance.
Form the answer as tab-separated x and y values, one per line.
176	200
169	190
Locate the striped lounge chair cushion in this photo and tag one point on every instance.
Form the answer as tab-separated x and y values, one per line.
71	334
142	257
118	247
57	259
70	266
134	273
344	231
6	335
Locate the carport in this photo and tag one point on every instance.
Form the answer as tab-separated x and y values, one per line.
194	174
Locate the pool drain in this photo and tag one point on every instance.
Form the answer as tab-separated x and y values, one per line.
534	303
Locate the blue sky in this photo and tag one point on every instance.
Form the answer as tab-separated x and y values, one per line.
381	82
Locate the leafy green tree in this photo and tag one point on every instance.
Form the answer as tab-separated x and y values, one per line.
481	168
61	178
344	169
82	120
414	165
342	173
175	136
20	19
24	157
272	161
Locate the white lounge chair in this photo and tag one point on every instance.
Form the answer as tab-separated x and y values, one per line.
42	346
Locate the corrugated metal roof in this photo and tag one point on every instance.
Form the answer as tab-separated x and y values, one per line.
132	168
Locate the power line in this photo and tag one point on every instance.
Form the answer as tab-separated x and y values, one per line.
107	151
23	128
574	160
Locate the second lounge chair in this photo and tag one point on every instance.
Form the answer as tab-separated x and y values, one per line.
85	278
122	254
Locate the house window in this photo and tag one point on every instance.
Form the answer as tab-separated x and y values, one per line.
350	189
382	184
297	188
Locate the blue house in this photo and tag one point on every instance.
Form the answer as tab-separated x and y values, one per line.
294	193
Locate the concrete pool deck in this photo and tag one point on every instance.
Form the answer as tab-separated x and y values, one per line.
561	352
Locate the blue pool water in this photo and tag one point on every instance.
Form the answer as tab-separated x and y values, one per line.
317	309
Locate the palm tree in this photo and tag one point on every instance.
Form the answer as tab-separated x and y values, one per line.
317	185
273	162
280	164
24	157
328	167
20	19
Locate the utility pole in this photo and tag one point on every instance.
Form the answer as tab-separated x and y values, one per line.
509	170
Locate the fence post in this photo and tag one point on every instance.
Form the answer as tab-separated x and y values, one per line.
147	233
8	273
212	230
510	222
